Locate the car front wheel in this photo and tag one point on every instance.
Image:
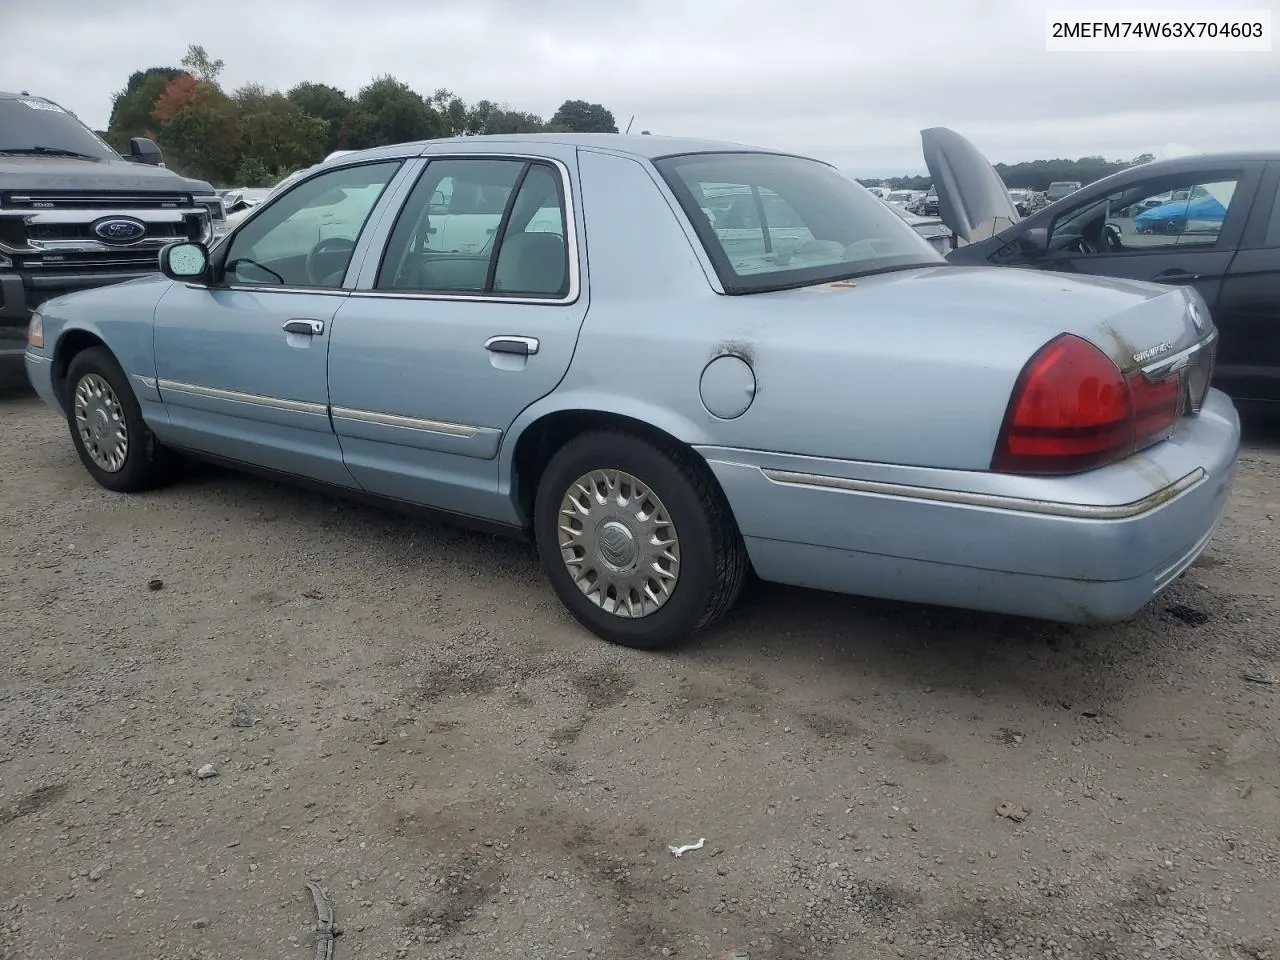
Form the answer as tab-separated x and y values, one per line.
637	539
113	441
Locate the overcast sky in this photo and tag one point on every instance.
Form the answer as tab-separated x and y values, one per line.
850	82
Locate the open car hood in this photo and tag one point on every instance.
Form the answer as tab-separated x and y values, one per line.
972	199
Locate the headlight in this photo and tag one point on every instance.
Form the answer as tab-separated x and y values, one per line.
217	215
35	330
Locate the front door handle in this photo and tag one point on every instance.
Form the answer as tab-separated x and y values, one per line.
309	328
1177	276
520	346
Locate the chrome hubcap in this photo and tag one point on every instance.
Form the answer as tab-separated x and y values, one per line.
619	543
100	422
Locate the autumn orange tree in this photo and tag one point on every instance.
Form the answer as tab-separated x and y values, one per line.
254	136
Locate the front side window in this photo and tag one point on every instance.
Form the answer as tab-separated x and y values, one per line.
769	222
481	226
307	236
1184	212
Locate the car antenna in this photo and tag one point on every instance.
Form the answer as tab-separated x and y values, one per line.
629	123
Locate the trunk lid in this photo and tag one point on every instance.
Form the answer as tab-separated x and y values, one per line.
972	199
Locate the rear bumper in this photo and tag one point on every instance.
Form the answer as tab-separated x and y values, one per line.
1089	548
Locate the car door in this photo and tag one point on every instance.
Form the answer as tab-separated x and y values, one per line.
1248	311
1176	228
241	364
443	344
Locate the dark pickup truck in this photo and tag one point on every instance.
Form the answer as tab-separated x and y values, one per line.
75	214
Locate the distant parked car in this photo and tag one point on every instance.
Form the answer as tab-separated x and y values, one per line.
929	205
931	228
1208	222
1061	188
664	396
1021	201
1195	211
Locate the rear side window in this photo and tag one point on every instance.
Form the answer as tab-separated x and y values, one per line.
481	227
769	221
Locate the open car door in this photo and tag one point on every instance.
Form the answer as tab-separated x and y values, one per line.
972	199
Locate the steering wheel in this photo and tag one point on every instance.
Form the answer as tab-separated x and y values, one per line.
1082	244
337	251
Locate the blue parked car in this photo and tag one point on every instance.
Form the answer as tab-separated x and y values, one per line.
583	338
1178	216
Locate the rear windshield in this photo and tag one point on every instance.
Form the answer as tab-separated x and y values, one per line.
769	222
32	125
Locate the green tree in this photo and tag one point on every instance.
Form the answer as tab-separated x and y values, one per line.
513	121
328	103
451	110
578	116
132	107
198	128
252	172
198	63
275	132
488	117
388	111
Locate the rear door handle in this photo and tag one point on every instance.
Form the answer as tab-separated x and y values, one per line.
520	346
1180	276
309	328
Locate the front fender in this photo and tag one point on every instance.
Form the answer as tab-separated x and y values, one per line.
121	316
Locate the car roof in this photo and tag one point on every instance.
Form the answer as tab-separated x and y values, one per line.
6	95
644	146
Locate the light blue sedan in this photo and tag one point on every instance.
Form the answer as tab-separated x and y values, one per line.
587	339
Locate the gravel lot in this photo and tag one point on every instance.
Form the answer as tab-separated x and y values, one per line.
402	713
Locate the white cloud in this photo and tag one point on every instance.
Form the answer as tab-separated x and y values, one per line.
851	83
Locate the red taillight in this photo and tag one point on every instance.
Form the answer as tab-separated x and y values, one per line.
1072	410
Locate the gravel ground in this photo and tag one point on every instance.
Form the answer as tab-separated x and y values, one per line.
403	714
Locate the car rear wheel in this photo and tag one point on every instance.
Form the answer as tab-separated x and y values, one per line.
637	539
113	441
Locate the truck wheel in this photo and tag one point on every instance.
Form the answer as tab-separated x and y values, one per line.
113	441
637	539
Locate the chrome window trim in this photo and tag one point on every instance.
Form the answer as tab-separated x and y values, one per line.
250	288
463	430
992	501
570	236
236	396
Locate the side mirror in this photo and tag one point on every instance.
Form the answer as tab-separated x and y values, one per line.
142	150
1035	241
185	261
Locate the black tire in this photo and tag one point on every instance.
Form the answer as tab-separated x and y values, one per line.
146	464
713	557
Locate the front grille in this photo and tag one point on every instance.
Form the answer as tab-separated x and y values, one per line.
86	200
144	259
44	232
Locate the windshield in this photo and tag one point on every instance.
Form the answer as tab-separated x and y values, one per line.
29	124
769	222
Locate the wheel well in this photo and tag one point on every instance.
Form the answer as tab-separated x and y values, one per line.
72	343
542	438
